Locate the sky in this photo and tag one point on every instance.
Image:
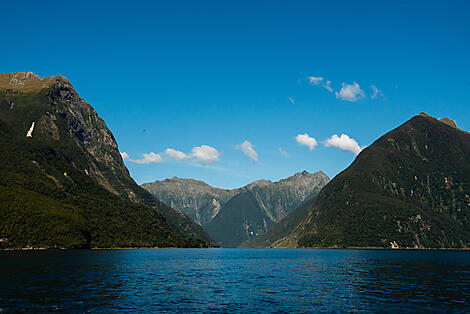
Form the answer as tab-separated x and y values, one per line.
229	92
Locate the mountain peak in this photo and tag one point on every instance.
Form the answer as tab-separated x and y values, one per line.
28	81
409	187
424	114
443	120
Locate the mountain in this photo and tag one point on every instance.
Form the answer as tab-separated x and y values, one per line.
203	202
241	218
198	200
247	212
277	199
282	228
409	189
259	205
64	183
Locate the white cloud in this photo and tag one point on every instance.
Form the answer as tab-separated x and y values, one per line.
376	92
314	80
292	101
343	142
320	82
146	158
176	154
350	92
247	148
283	152
205	154
327	86
306	140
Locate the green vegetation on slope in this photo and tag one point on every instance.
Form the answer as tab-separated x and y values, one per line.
66	186
410	188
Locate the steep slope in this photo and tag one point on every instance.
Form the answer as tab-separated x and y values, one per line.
203	202
268	203
64	181
277	199
282	228
198	200
410	188
240	219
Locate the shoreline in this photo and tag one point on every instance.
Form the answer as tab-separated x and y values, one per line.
282	248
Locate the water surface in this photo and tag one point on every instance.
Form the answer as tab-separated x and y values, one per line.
235	280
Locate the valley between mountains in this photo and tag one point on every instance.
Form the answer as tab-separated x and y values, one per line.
65	185
232	217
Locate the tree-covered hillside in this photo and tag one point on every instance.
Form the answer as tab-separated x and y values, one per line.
410	188
63	180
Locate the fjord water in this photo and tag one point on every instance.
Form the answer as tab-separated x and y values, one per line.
235	280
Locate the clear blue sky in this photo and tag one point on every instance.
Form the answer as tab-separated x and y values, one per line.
182	74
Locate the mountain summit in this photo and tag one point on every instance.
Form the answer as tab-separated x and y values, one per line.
64	183
410	188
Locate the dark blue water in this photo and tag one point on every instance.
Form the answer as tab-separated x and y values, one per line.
235	280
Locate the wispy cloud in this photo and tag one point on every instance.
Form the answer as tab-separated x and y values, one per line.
350	92
320	82
283	152
315	80
248	149
292	101
306	140
327	86
376	92
343	142
146	158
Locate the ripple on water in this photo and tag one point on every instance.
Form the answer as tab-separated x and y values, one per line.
235	280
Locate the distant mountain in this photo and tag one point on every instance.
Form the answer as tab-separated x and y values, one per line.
198	200
241	218
202	202
409	189
277	199
282	228
233	216
63	180
273	200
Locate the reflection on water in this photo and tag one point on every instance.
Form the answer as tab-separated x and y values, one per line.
235	280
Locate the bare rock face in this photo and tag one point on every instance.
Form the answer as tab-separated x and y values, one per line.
203	203
89	130
277	199
200	201
449	122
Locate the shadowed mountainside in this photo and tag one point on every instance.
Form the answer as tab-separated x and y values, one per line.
64	183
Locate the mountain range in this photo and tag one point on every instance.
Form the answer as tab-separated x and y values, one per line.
231	217
64	183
